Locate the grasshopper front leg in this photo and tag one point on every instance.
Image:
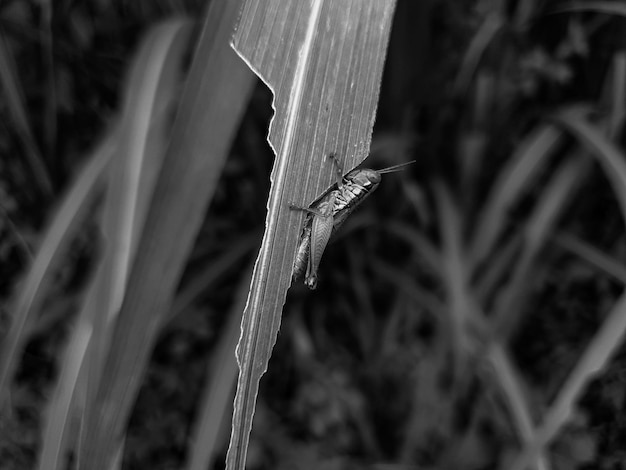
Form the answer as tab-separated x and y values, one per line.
338	169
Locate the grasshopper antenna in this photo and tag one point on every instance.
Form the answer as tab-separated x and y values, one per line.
394	168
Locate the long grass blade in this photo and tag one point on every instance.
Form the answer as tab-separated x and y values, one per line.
325	78
17	108
548	208
509	186
129	187
603	345
123	195
612	160
218	396
484	36
612	8
217	89
602	261
71	212
468	326
132	176
62	412
513	390
454	274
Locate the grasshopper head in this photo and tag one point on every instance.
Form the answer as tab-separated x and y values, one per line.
364	177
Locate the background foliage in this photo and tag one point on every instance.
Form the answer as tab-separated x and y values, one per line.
455	308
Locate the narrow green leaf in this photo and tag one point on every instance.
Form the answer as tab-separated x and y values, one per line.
614	95
498	268
612	8
610	335
513	389
126	202
69	215
462	308
15	103
131	174
604	262
454	273
217	89
323	60
509	186
62	412
547	210
484	36
611	158
217	399
603	345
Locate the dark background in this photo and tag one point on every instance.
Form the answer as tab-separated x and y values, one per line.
358	375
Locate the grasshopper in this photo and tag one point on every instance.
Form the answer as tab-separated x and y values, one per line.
328	212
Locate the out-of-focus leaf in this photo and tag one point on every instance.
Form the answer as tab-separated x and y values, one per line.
483	37
57	236
17	108
509	186
323	61
611	8
592	255
611	159
454	275
594	359
132	176
465	316
217	398
513	390
614	95
217	89
549	206
419	294
426	251
132	172
203	281
500	262
610	335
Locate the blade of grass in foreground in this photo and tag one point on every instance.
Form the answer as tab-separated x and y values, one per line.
131	180
216	92
59	234
131	173
325	78
217	397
